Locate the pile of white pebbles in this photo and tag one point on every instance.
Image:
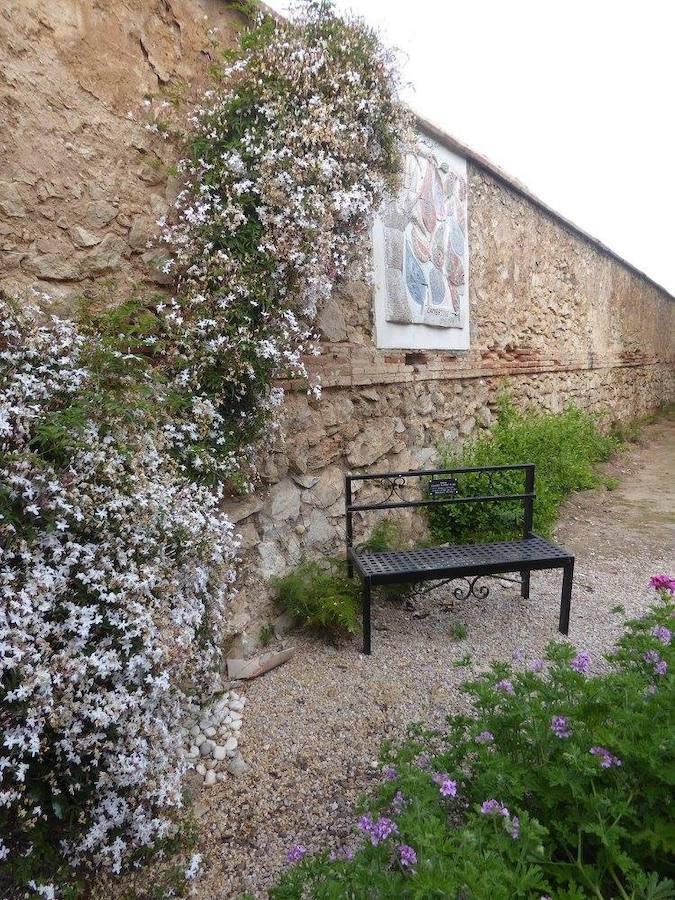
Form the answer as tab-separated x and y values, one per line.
213	738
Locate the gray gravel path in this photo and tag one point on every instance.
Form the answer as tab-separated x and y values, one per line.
313	727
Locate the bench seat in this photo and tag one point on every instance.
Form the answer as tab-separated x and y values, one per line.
448	561
393	566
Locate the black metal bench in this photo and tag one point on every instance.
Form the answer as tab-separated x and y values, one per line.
449	562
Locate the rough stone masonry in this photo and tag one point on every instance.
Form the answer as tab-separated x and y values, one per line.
82	183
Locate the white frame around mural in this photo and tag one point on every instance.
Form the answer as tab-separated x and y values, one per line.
402	321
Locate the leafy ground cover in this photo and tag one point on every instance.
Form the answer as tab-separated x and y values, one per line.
319	595
559	785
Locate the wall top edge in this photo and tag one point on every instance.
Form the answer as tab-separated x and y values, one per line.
442	137
482	162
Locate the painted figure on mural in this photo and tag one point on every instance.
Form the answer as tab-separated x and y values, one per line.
425	244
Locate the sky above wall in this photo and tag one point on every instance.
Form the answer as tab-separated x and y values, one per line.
574	99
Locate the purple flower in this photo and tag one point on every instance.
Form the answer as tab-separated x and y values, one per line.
446	785
559	727
377	831
390	773
654	658
493	807
663	583
423	761
398	803
406	855
607	759
504	686
341	853
581	663
515	828
536	665
485	737
663	634
295	854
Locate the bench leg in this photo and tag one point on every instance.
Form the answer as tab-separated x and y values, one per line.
566	597
366	618
525	585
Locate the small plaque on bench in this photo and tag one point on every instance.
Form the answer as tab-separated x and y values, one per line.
442	487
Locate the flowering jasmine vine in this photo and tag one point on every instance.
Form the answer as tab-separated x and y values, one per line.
290	157
115	574
116	563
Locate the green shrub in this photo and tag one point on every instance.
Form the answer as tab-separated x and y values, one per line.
386	535
560	785
563	446
318	594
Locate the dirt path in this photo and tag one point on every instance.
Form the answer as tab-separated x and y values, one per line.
313	727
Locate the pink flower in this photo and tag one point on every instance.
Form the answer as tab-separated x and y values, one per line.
536	665
504	686
663	583
485	737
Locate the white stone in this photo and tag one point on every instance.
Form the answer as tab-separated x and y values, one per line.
284	500
272	561
231	743
201	769
210	778
193	752
236	725
206	747
236	766
320	529
329	487
235	715
210	732
219	752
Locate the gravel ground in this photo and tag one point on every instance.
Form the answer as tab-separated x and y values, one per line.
312	728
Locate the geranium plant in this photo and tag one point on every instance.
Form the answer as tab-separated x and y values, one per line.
559	785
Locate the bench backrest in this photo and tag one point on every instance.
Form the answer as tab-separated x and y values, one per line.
442	487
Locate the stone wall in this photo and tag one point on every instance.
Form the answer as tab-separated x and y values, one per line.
83	180
552	315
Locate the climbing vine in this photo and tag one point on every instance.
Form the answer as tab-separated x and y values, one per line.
117	432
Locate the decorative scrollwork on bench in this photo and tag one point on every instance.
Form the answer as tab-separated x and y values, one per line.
480	592
394	485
